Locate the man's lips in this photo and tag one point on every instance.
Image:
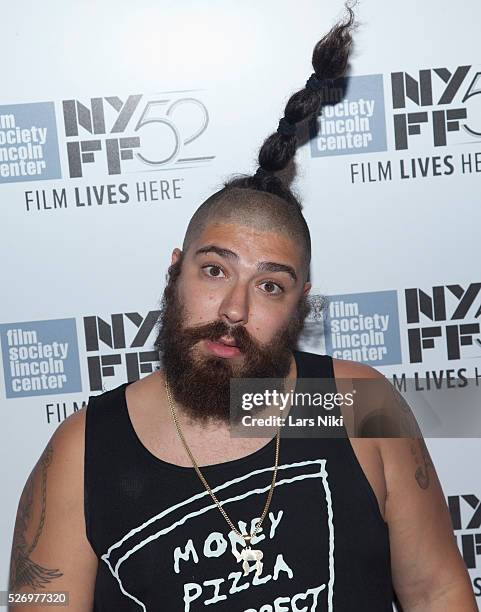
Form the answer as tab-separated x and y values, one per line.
227	340
224	347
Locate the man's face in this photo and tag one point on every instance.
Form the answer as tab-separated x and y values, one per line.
244	277
236	309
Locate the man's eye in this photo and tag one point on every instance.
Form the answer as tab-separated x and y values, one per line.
272	288
213	271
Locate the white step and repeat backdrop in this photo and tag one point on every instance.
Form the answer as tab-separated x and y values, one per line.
117	119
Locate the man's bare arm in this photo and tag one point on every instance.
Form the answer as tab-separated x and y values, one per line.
50	550
429	573
428	570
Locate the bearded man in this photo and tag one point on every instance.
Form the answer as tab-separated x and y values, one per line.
145	501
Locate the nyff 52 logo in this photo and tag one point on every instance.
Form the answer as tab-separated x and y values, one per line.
465	513
120	348
158	132
446	320
441	99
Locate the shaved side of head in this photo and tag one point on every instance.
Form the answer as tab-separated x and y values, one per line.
252	208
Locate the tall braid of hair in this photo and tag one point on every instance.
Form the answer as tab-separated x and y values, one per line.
329	61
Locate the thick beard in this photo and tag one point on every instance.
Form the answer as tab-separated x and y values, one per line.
200	383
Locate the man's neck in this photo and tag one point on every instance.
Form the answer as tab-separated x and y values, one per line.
210	443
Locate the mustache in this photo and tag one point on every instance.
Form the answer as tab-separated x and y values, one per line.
216	329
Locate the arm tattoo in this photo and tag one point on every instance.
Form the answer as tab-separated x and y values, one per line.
24	571
423	462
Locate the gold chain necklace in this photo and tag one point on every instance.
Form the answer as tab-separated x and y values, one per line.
248	553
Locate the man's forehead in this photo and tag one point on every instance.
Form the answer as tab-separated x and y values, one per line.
248	242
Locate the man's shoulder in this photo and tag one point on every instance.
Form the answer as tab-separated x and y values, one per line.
129	401
107	394
114	397
63	456
343	368
142	391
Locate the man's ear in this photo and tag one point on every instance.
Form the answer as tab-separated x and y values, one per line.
176	253
307	288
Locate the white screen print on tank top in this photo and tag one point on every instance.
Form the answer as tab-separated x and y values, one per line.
163	544
181	532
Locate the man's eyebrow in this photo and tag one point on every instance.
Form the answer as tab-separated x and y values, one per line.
262	266
272	266
212	248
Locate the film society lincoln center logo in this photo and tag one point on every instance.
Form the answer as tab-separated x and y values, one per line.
40	358
433	107
353	118
28	143
364	327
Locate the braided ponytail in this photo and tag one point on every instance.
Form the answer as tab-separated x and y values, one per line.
246	198
329	60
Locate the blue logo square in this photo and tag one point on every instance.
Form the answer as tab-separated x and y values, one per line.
364	327
28	143
40	358
353	118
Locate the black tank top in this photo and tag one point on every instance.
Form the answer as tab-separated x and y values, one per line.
163	545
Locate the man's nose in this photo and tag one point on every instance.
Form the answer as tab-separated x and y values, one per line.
234	308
